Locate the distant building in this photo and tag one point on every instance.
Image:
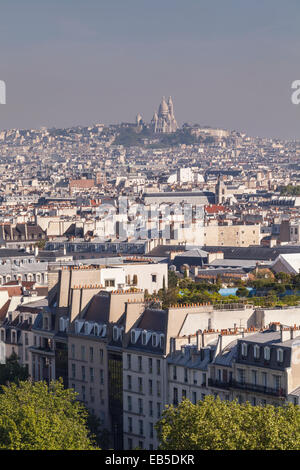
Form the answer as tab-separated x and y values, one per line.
164	120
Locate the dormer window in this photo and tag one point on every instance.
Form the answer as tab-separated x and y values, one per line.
144	338
133	337
162	341
280	355
115	333
154	340
256	351
244	349
267	353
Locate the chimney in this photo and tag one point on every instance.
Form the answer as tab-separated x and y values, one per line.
286	334
198	339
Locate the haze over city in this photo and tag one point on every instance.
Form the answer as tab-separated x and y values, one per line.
228	64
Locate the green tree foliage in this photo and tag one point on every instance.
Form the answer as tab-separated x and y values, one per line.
12	370
35	416
290	190
172	279
242	292
213	424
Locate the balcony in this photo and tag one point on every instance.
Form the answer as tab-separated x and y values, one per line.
277	392
234	384
219	384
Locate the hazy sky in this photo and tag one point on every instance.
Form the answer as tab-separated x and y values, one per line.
227	63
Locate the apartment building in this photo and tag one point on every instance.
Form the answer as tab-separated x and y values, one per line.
231	235
262	368
16	332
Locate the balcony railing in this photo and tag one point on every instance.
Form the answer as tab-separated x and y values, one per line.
232	384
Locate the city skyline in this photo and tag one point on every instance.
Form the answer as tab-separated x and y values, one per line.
229	66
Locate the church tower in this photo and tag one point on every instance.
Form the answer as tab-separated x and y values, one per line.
221	191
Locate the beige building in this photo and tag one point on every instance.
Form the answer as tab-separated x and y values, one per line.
231	235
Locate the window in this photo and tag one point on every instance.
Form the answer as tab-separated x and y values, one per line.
73	351
140	403
83	392
82	353
129	361
280	355
158	406
254	377
130	445
141	445
101	374
101	355
158	366
140	384
141	427
244	349
203	380
267	353
185	374
183	395
133	338
150	408
154	340
241	376
129	383
73	371
174	373
277	382
129	403
253	401
264	379
153	277
151	430
109	283
194	377
144	338
158	388
140	363
256	351
83	372
129	424
194	398
175	396
91	354
91	374
150	387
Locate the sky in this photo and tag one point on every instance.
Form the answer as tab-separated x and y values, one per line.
226	64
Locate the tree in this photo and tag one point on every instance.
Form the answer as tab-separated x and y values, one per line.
242	292
213	424
12	370
35	416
